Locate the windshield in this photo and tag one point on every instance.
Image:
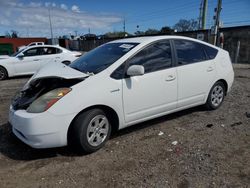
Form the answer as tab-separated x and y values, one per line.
100	58
15	54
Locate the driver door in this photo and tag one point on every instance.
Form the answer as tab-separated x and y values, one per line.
29	63
154	93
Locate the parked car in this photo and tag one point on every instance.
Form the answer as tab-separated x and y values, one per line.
117	85
31	59
31	44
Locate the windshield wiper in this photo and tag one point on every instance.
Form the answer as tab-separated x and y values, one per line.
89	73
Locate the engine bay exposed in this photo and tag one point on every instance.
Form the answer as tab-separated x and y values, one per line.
39	87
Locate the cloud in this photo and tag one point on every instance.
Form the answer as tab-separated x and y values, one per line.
33	18
34	4
63	6
75	8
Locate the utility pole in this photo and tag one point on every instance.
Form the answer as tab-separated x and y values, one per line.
217	21
204	14
51	32
200	15
124	27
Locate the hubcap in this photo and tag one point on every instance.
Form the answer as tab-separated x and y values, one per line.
217	95
97	131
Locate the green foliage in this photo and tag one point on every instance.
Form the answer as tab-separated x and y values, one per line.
139	33
14	34
186	25
117	34
166	30
152	32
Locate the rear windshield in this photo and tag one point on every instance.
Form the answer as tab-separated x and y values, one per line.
100	58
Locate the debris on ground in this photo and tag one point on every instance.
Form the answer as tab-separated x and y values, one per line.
248	114
177	150
161	133
174	143
209	125
222	125
236	124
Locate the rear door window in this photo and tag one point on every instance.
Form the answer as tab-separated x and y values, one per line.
49	51
189	52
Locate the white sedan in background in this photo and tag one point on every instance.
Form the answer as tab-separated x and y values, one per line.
117	85
31	59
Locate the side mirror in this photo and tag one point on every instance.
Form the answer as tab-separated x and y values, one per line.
20	55
135	70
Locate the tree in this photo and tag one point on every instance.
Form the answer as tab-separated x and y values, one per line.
166	30
152	32
117	34
7	34
14	34
139	33
186	25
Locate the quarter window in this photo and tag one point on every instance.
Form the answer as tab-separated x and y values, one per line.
210	51
154	57
189	52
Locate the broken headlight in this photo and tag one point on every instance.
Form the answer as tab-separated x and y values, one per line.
47	100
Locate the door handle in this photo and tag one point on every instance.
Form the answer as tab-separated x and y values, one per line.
209	69
57	57
170	78
36	59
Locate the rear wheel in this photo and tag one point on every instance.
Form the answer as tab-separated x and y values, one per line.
216	96
90	131
3	73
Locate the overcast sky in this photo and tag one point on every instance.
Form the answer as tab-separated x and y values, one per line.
31	17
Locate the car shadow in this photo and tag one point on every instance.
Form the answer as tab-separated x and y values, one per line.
19	77
13	148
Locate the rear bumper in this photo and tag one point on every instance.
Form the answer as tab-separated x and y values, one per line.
43	130
230	80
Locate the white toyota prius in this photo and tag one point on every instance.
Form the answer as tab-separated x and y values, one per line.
116	85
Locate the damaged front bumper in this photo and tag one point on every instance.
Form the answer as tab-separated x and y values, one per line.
40	130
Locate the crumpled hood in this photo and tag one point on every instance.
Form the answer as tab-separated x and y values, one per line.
55	70
58	70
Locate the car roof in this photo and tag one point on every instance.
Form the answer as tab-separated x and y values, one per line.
44	45
149	39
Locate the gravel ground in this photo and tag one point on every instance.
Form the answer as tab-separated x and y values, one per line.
191	148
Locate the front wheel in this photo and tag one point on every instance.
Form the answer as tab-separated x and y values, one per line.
216	96
90	131
3	73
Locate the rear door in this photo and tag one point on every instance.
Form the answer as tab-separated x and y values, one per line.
195	72
155	92
49	55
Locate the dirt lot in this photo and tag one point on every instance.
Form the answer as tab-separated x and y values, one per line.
213	150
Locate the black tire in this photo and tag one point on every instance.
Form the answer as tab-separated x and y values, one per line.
66	62
79	133
3	73
217	93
